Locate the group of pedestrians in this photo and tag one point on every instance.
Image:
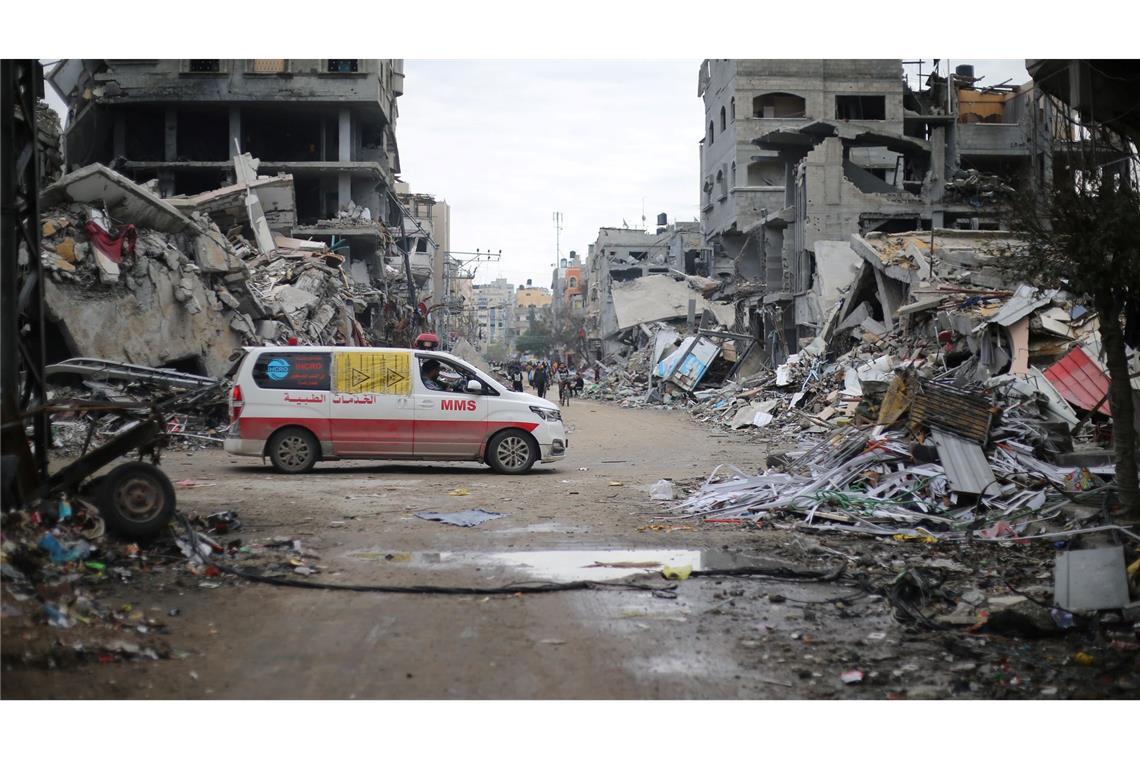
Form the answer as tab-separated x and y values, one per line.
542	375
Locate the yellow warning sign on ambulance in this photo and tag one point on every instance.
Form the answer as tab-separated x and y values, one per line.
386	372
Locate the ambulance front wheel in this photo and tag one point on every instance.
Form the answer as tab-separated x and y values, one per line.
293	450
511	452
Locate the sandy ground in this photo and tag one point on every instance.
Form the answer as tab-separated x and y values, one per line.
718	638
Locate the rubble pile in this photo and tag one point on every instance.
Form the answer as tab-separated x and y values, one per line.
140	279
92	395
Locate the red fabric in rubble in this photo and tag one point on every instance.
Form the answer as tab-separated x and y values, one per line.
112	247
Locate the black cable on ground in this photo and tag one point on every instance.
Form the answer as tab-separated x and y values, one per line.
532	588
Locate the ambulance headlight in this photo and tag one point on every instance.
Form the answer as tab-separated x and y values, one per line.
550	415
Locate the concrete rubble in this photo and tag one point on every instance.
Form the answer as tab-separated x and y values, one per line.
939	401
182	282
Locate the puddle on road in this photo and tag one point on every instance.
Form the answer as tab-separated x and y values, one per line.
562	566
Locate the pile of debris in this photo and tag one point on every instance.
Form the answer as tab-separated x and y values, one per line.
60	566
95	388
156	282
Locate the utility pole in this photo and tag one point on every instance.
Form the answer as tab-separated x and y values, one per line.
557	263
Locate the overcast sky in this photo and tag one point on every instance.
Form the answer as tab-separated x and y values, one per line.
509	142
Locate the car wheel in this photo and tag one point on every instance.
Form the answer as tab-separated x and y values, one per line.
136	500
293	451
511	452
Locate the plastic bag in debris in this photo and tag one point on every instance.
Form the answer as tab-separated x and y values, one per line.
60	553
662	490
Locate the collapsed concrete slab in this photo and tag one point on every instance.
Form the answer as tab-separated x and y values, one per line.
659	297
152	323
125	201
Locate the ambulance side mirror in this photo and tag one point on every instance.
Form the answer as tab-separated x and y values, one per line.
474	386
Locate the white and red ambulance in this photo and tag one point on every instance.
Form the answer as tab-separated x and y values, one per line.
297	405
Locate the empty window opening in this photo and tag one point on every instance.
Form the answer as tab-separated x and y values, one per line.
203	134
343	65
778	105
573	282
299	138
873	107
723	119
732	109
710	133
205	65
765	174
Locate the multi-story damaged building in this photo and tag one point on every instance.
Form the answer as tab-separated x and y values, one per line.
621	254
741	184
328	123
425	234
836	148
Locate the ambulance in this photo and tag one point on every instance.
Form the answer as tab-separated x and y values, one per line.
297	405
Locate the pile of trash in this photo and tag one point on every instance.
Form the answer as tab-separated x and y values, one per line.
60	567
152	281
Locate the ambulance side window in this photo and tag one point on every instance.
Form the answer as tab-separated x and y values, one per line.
293	371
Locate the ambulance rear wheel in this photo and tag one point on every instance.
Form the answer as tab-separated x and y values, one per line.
293	450
511	452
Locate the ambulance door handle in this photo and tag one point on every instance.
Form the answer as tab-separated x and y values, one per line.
426	403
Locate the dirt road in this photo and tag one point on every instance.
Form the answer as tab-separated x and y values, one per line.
718	638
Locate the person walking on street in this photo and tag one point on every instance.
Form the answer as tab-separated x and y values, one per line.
541	380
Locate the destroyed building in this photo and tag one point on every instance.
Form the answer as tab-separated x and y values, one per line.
426	235
228	202
838	148
620	255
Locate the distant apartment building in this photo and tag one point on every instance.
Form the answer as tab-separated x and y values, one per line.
494	314
567	285
532	305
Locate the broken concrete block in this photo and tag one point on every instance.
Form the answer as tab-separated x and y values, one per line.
293	299
185	290
227	298
210	255
66	249
1023	618
268	329
243	324
108	270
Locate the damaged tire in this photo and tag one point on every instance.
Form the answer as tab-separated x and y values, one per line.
293	451
136	500
511	452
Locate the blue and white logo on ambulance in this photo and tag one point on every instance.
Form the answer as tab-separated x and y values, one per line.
278	369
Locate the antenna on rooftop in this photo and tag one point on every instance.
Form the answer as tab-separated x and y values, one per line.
557	237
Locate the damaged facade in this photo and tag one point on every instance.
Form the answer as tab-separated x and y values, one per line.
250	201
836	148
621	255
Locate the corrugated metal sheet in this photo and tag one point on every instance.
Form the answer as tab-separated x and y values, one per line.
965	464
1079	381
1024	302
944	407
